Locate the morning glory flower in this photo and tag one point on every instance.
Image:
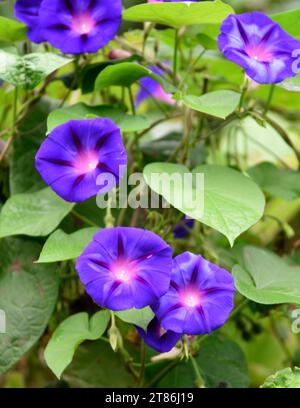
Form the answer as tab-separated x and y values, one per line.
200	297
124	267
158	338
149	87
80	26
260	46
77	152
27	11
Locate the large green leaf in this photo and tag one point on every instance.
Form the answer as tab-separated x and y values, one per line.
125	74
221	362
62	247
286	378
280	183
28	294
179	14
33	214
127	123
266	278
140	317
29	70
96	365
70	334
218	103
11	30
231	202
289	21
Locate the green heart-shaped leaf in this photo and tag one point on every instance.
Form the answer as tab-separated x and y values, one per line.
231	202
266	278
70	334
179	14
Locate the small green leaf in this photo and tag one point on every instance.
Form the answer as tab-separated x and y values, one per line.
226	200
70	334
179	14
33	214
62	247
28	294
28	71
218	103
286	378
140	317
90	73
127	123
280	183
266	278
11	30
125	74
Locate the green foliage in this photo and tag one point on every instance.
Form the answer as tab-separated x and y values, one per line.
179	15
96	365
28	295
127	123
140	317
286	378
266	278
280	183
221	362
70	334
232	201
28	71
33	214
11	30
125	74
219	103
62	247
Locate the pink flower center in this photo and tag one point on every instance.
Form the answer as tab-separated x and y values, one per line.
87	162
259	53
83	23
191	298
123	271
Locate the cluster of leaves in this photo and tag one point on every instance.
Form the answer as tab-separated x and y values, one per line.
247	146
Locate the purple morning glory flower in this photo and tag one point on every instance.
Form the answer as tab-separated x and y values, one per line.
200	297
260	46
158	338
80	26
123	268
184	227
77	152
150	87
27	11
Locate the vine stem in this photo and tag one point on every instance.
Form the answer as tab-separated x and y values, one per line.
239	308
175	58
199	378
14	126
142	369
243	96
84	219
162	374
269	100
